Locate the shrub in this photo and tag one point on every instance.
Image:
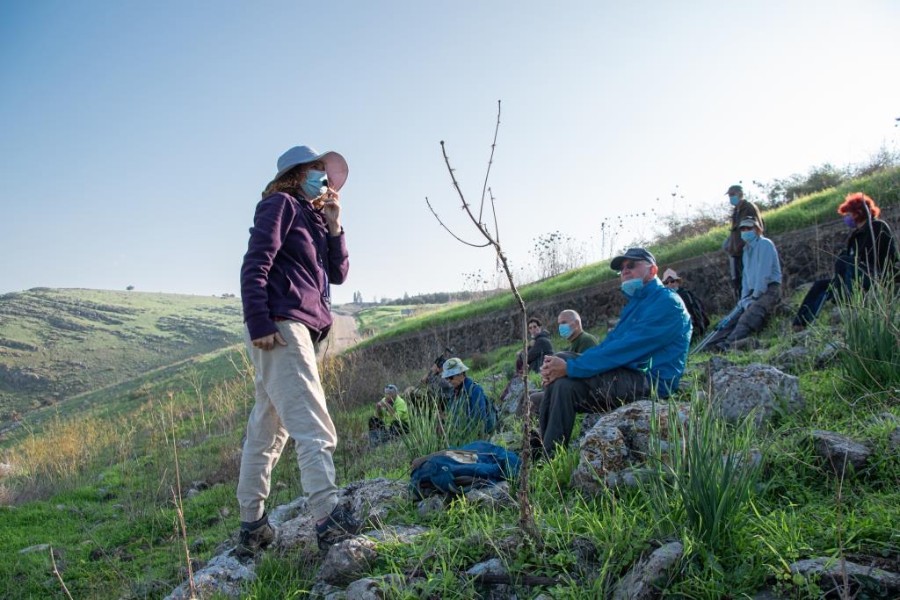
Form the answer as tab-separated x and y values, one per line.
704	475
872	334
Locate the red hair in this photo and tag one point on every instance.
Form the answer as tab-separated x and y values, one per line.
855	206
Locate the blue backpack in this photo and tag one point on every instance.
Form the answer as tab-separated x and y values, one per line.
457	470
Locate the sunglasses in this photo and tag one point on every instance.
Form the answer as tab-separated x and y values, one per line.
629	264
670	280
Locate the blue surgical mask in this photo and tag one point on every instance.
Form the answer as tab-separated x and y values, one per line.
316	184
565	331
749	236
849	221
631	286
735	200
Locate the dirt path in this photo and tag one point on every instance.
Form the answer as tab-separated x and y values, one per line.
343	335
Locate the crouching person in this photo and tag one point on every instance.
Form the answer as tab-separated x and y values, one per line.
470	413
391	417
760	288
647	349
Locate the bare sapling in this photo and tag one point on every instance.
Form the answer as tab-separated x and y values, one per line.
526	516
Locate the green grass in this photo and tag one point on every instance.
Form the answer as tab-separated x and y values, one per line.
820	207
58	343
106	506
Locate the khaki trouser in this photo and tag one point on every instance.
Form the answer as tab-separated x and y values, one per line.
289	401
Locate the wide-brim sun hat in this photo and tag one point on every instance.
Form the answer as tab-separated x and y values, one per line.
453	366
335	164
671	274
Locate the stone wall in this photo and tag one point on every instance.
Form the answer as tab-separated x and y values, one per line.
806	255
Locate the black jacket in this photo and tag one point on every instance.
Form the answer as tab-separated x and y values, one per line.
539	349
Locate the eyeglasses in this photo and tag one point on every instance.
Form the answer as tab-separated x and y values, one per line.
669	281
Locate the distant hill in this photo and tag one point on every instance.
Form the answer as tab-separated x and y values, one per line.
56	343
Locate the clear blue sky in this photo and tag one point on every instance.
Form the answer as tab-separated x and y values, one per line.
135	137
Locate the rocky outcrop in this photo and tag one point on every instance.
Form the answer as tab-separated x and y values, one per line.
758	390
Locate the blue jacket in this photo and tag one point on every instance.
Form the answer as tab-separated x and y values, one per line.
653	336
470	403
761	267
290	263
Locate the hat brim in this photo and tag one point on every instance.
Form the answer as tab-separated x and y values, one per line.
335	165
616	264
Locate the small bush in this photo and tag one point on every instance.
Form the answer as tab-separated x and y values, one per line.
705	475
872	334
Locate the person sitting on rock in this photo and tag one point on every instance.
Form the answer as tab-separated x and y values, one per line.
471	413
647	350
570	330
391	416
539	347
760	289
871	252
695	308
436	387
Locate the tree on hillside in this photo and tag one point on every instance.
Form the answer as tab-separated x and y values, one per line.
526	518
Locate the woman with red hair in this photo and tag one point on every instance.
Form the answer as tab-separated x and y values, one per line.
871	252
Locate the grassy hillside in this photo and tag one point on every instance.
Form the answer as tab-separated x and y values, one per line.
57	343
820	207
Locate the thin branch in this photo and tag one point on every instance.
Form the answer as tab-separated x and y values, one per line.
59	575
458	239
488	172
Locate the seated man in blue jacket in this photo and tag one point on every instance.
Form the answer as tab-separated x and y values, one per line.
647	350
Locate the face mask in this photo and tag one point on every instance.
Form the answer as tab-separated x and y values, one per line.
316	184
748	236
850	221
735	200
565	331
631	286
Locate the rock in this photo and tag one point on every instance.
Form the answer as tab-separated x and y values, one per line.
894	440
223	575
828	354
828	573
323	591
430	505
648	575
398	533
494	496
759	389
493	566
347	560
793	358
840	450
376	588
619	441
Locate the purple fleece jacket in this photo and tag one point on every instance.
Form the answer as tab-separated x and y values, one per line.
289	264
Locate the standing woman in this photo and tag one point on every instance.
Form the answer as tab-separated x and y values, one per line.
296	250
871	252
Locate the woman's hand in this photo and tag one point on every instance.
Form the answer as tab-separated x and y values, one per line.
267	342
331	208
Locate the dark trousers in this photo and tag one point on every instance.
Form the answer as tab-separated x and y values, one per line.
839	286
566	397
736	265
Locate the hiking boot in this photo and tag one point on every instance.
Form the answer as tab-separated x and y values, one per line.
339	525
254	537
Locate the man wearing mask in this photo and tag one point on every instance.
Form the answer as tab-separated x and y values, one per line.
760	289
733	244
570	330
647	350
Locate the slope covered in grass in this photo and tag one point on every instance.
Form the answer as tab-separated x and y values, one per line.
820	207
56	343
